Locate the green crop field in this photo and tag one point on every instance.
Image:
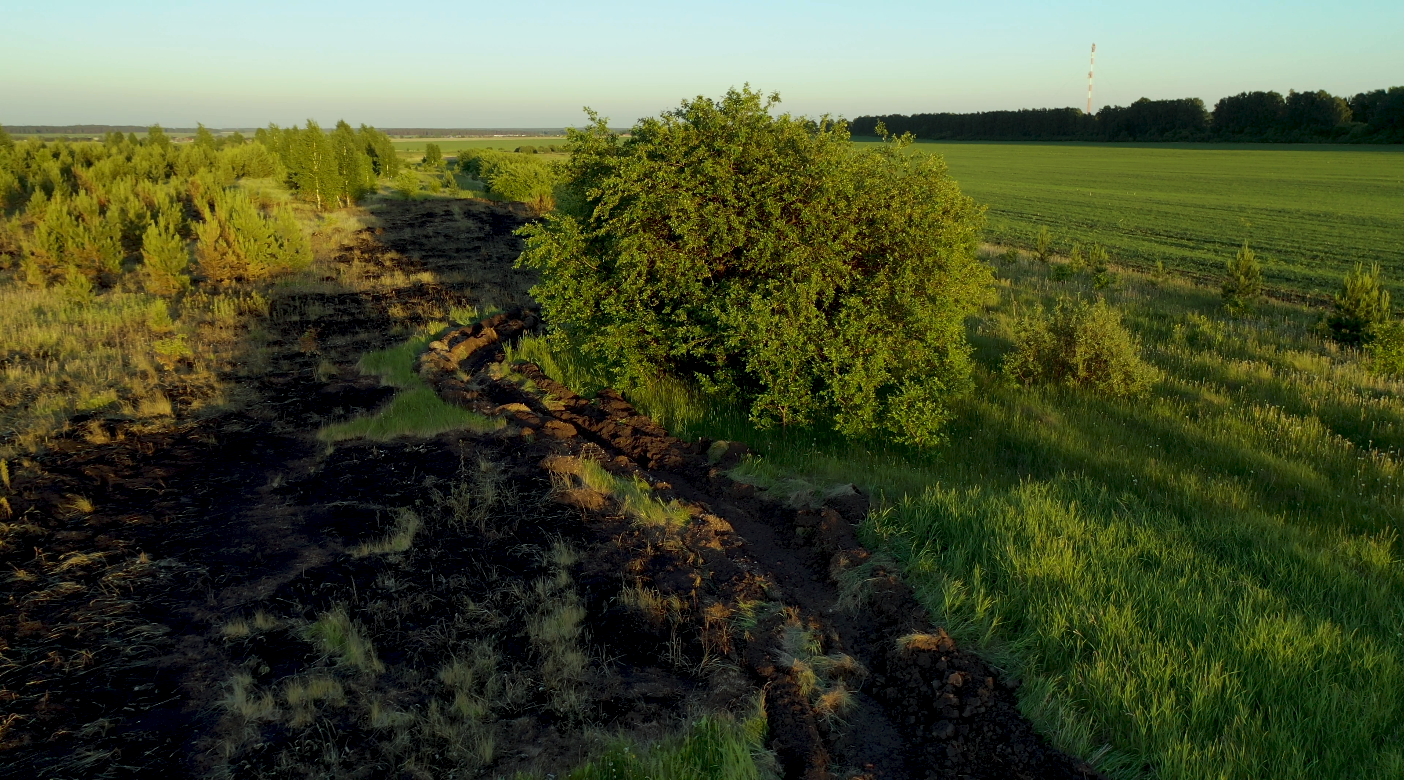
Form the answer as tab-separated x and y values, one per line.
450	146
1311	212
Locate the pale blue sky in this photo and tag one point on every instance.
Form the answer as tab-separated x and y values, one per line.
474	64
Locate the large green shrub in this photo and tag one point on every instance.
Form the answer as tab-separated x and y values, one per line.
433	156
1080	344
514	176
768	259
1362	303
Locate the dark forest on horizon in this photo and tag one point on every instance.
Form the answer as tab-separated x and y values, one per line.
1254	117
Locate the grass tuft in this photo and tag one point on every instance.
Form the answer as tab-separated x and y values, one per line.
341	638
713	748
635	497
407	524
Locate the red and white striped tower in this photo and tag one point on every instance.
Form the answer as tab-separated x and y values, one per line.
1090	66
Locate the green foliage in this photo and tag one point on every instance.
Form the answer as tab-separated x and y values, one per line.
1243	284
1082	345
1098	260
1077	262
433	156
156	136
381	151
72	235
237	241
166	257
1362	303
1168	576
514	176
1043	244
330	170
767	259
1386	348
407	183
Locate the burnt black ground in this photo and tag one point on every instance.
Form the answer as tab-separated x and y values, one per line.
115	664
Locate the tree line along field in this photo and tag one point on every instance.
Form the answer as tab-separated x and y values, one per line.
1311	214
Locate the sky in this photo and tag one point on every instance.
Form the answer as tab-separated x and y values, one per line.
462	63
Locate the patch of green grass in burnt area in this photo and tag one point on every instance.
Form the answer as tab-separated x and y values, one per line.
1201	582
414	411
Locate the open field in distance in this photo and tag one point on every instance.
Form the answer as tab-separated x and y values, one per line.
1310	211
451	146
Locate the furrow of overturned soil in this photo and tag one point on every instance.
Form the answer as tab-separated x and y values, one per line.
232	597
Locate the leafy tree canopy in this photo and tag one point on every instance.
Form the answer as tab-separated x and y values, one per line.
433	155
768	259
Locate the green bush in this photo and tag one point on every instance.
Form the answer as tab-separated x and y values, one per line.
1043	245
237	241
769	260
1363	302
1243	284
1386	348
1077	263
513	176
433	156
407	183
1081	344
165	256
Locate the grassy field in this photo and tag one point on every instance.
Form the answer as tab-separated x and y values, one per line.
450	146
1206	583
1311	212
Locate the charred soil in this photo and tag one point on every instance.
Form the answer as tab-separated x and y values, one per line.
233	597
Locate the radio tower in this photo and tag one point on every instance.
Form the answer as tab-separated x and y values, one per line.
1090	66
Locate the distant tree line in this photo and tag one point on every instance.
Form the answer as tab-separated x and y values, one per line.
1368	117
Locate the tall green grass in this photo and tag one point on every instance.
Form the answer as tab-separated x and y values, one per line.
1205	583
714	748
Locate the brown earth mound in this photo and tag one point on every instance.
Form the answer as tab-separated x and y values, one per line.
233	598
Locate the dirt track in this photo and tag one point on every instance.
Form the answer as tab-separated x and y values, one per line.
163	583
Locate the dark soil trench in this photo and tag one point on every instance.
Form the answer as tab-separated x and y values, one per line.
191	602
